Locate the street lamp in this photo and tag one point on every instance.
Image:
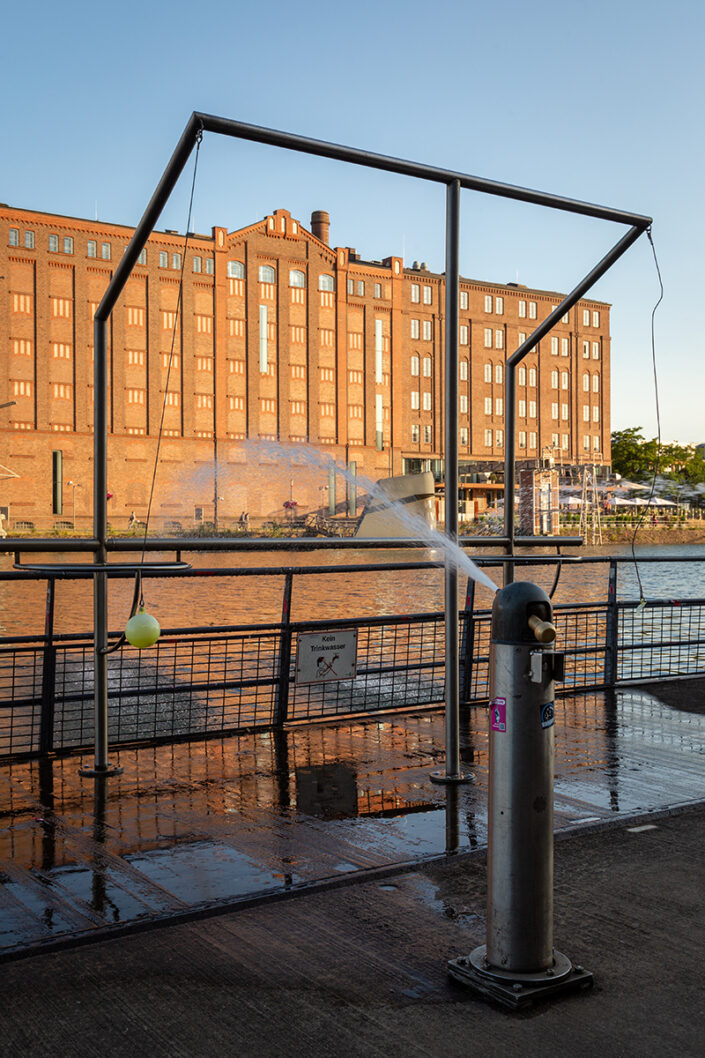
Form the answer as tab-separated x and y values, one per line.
74	485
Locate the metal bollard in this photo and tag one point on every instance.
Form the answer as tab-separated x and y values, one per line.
518	962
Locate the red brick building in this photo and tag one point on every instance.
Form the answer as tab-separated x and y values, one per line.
276	337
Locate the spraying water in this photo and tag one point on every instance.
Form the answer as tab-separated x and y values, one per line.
418	527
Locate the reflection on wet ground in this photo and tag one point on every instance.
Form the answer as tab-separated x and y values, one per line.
198	825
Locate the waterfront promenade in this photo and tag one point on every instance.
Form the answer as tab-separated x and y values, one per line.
307	900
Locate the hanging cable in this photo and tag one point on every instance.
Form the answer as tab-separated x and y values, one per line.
179	301
657	462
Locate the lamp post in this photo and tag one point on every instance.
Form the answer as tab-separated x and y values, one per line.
74	485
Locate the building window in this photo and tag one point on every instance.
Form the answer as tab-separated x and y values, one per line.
595	383
326	282
463	370
522	409
532	440
522	309
176	261
22	303
564	412
21	347
427	295
61	307
204	324
427	367
596	350
522	337
267	274
586	350
554	380
586	317
488	405
53	243
488	372
135	396
22	388
499	306
564	442
595	414
415	329
378	290
464	300
197	264
522	439
142	258
415	293
554	347
204	363
355	378
586	382
415	365
29	240
488	438
327	411
596	444
532	409
488	337
427	402
564	346
499	406
565	380
463	334
68	244
163	259
204	400
236	270
586	443
499	339
427	332
499	438
91	248
355	411
296	278
360	288
596	319
136	357
14	237
532	310
554	411
351	286
532	377
209	266
105	251
499	374
488	303
521	375
415	429
463	403
586	413
415	399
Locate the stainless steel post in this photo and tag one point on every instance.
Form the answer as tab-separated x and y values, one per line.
518	959
453	771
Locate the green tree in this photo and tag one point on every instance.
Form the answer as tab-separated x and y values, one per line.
632	456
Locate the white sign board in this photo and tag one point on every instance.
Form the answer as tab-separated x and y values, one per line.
323	657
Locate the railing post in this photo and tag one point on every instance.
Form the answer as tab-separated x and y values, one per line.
612	628
46	723
281	703
467	645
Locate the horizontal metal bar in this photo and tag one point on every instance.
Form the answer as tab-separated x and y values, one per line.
356	156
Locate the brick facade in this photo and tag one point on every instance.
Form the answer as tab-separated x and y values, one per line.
277	337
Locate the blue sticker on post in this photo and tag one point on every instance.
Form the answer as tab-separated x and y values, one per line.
548	715
498	714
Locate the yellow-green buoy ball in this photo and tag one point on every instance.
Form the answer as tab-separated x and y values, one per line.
142	630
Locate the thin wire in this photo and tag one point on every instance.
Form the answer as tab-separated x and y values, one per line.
179	299
657	464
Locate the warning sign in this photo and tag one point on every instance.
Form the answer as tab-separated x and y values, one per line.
323	657
498	714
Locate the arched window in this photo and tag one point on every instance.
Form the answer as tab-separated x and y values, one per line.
267	274
498	373
236	270
296	278
586	382
427	367
326	282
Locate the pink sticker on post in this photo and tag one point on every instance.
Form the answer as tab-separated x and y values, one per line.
498	714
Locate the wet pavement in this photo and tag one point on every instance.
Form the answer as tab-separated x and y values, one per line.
198	828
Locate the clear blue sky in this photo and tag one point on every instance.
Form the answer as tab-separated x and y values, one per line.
599	101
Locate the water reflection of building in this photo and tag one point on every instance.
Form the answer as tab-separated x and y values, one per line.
280	337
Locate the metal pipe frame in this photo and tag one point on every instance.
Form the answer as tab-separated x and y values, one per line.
454	182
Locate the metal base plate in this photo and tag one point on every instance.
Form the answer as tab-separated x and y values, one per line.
520	989
443	777
101	773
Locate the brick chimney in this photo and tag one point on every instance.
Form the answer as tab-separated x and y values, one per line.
320	225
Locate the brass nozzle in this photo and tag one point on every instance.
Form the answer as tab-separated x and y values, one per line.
544	631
